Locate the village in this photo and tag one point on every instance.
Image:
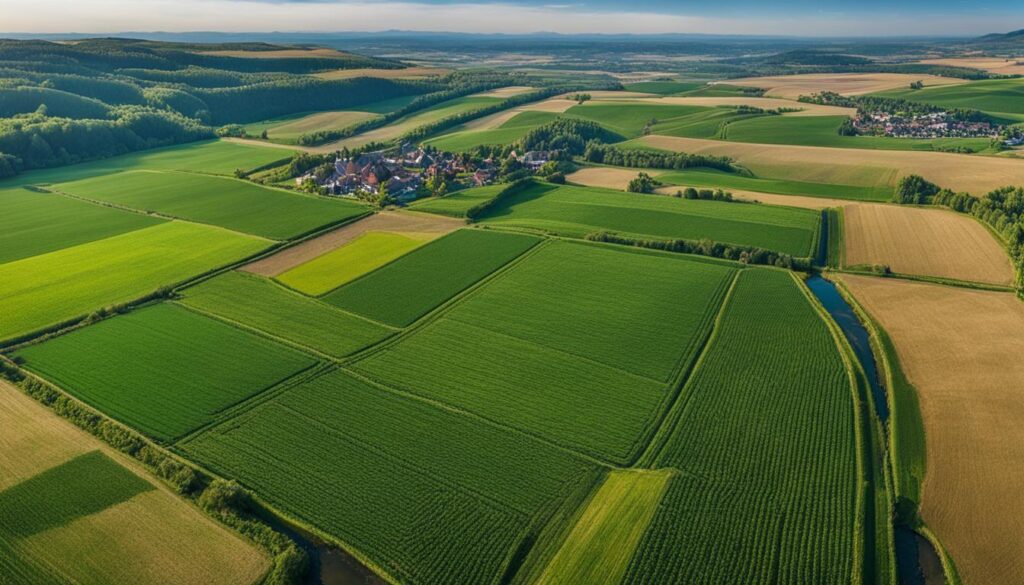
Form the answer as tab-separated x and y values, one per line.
924	125
411	172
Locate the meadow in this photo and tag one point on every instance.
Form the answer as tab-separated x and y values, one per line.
367	252
157	390
67	284
577	211
227	202
36	223
765	437
73	511
1003	98
458	203
335	452
260	303
540	348
408	288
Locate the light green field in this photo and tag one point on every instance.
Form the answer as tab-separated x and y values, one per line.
37	223
339	266
288	130
601	543
164	370
1002	98
708	123
227	202
51	288
577	211
459	202
262	304
417	119
629	118
663	87
462	139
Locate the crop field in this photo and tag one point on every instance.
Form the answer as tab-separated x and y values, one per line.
262	304
458	203
37	223
794	86
367	252
417	119
527	347
335	452
851	166
52	288
227	202
70	511
998	65
288	130
765	103
466	138
603	540
663	87
401	292
924	242
577	211
999	97
629	118
406	73
961	351
764	434
157	390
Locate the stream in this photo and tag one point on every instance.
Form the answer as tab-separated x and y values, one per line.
917	562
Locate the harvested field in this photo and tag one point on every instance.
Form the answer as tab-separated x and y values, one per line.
319	53
924	242
505	92
975	174
557	105
289	130
86	514
793	86
775	199
606	177
753	102
389	221
961	350
415	120
1011	66
407	73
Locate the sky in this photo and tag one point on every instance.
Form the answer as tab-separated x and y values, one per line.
761	17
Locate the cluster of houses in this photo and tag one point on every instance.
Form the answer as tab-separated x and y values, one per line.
931	125
406	172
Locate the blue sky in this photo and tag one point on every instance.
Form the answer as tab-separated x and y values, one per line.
775	17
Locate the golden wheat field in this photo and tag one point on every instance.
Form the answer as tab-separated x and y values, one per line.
924	242
961	349
804	109
793	86
1000	65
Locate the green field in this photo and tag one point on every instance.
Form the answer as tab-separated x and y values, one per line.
338	454
347	263
578	343
1002	98
288	129
52	288
663	87
577	211
459	202
401	292
37	223
462	139
163	370
766	438
235	204
423	117
629	118
262	304
707	123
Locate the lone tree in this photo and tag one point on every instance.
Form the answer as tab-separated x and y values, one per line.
643	183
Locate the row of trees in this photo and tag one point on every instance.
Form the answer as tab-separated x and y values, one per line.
745	254
610	155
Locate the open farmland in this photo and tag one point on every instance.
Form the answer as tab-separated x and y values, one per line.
36	223
577	211
849	166
924	242
335	452
999	97
51	288
458	203
401	292
405	73
367	252
765	437
630	118
157	389
998	65
238	205
794	86
260	303
71	510
510	125
961	351
540	347
288	130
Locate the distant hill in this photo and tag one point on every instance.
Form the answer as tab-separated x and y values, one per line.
1015	37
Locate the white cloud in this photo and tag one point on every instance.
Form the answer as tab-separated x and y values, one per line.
95	16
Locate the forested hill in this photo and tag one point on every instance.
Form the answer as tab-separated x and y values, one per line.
66	102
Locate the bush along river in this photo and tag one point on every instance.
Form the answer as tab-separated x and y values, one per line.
917	562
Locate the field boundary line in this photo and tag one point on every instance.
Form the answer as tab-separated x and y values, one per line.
674	411
939	280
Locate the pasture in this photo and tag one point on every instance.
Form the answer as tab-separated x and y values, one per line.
577	211
71	510
764	434
67	284
337	452
961	351
539	348
227	202
367	252
262	304
849	166
794	86
1000	97
408	288
143	368
36	223
924	242
458	203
